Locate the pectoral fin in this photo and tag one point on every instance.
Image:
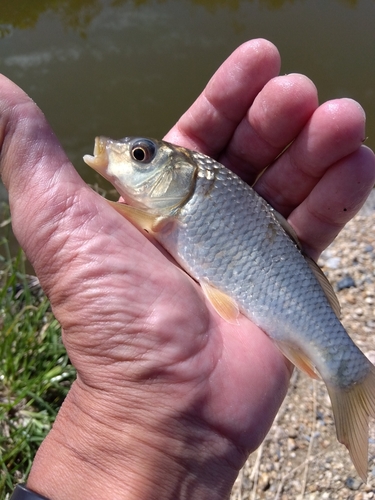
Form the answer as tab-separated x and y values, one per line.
140	218
298	358
224	305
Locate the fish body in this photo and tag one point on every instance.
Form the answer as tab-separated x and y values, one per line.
228	237
235	245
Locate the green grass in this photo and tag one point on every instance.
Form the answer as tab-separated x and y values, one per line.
35	373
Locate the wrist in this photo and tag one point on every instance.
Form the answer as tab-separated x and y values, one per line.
90	454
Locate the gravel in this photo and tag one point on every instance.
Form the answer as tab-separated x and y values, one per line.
301	457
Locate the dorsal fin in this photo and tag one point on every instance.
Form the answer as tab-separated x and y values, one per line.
318	273
287	228
326	285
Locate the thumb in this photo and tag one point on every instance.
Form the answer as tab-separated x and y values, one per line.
35	170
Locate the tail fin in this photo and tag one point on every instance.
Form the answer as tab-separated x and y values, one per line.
352	408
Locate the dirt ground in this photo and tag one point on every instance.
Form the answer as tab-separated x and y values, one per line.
301	457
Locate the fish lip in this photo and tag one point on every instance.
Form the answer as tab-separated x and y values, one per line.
99	161
100	145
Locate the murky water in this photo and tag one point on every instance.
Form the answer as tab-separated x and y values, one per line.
132	67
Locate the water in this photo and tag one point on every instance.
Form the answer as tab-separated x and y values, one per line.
121	67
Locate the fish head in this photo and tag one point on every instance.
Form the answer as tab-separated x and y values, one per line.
149	174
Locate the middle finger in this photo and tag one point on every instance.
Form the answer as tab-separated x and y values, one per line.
276	117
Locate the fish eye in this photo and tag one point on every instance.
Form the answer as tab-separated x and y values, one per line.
143	151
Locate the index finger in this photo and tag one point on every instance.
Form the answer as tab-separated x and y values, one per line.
210	122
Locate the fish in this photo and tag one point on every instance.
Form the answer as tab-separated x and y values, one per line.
248	260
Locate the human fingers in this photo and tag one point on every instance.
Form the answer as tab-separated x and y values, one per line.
275	118
336	129
210	122
334	201
323	179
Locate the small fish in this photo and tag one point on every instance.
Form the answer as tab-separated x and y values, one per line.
247	260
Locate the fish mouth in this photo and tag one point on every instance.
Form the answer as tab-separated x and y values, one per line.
99	161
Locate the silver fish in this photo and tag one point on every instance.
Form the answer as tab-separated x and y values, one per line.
247	259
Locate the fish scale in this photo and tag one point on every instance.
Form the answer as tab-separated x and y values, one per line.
198	244
235	245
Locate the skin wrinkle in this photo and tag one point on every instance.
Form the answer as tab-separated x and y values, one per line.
261	61
297	94
13	123
305	155
350	135
32	143
227	403
57	237
156	318
298	97
210	110
185	353
179	361
236	157
247	169
145	328
223	117
321	220
85	217
274	195
168	422
335	218
47	232
111	471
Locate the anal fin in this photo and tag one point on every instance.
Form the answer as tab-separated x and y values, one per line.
298	358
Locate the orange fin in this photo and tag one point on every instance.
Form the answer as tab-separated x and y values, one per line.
224	305
326	286
140	218
352	408
298	358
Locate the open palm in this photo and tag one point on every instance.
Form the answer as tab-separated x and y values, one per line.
145	342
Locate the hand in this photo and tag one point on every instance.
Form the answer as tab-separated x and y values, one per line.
170	399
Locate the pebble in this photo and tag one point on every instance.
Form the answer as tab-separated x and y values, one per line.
264	481
333	263
346	282
353	483
291	444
